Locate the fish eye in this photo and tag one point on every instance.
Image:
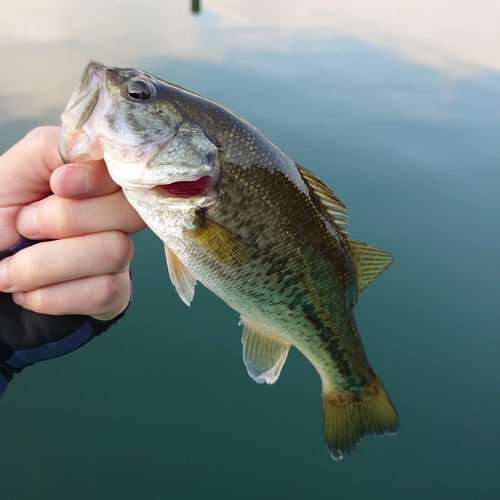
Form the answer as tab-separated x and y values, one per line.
139	90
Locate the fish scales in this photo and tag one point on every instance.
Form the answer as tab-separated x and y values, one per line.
235	140
302	279
238	215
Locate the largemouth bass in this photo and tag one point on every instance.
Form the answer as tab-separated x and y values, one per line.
238	215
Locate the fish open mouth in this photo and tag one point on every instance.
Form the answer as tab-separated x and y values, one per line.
185	189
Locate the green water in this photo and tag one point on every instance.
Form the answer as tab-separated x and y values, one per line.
161	406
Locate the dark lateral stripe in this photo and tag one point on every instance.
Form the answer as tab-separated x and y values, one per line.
335	344
3	384
52	349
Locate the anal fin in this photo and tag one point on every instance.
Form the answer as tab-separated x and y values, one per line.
264	354
180	276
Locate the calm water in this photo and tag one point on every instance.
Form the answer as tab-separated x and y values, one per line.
398	110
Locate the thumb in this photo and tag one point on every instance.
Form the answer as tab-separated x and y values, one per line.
26	167
25	171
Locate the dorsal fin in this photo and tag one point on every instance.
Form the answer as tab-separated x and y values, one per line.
332	205
369	261
264	354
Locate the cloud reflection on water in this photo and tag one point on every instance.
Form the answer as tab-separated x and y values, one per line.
52	41
457	37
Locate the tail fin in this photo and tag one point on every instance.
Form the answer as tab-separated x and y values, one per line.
349	416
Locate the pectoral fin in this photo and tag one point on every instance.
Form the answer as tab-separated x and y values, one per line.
369	262
181	277
223	244
264	354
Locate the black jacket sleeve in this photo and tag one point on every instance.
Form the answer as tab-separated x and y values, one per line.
27	337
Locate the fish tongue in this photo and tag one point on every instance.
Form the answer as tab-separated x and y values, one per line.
186	189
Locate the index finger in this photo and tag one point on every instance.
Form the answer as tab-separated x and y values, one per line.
25	169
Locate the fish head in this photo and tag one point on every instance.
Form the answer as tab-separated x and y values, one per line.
150	144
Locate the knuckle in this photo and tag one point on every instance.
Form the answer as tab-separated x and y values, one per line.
118	249
108	292
60	217
131	221
39	138
24	270
114	298
55	218
30	274
134	222
124	248
37	135
40	301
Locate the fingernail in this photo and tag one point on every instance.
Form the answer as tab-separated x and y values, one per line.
19	299
27	221
5	284
71	181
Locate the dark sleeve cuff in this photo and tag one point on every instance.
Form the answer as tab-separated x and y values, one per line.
102	326
21	358
3	384
88	329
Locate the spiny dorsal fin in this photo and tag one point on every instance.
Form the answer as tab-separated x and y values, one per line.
333	206
180	276
369	261
264	354
223	244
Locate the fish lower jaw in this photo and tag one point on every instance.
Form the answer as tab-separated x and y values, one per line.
181	189
161	196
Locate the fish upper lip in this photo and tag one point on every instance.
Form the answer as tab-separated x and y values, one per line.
181	173
145	185
184	179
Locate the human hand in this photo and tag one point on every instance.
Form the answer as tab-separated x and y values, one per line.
84	270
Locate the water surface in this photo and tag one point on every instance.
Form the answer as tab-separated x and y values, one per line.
398	111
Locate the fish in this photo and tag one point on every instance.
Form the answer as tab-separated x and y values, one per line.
238	215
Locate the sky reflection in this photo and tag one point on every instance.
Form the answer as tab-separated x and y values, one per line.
44	46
